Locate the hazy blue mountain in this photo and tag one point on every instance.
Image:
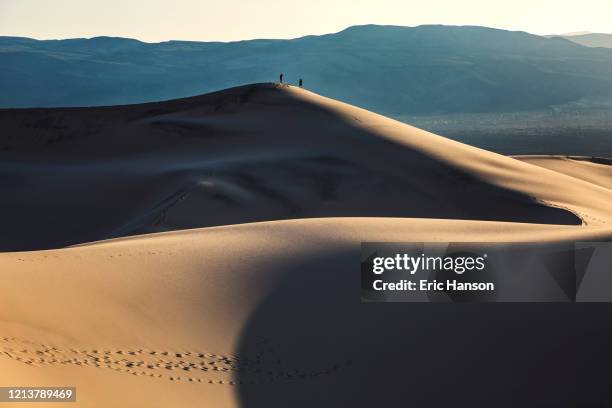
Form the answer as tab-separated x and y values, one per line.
390	69
591	39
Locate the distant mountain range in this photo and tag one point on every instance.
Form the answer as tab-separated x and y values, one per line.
389	69
589	39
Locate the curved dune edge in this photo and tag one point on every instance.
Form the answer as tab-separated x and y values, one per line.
594	170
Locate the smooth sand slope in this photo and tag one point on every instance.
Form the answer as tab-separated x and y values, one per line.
268	313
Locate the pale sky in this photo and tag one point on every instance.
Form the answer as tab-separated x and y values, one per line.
227	20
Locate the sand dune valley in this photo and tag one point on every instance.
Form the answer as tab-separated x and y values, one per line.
205	252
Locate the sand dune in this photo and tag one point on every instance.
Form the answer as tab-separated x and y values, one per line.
248	315
267	313
255	153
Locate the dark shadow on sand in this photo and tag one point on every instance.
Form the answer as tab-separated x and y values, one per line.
326	349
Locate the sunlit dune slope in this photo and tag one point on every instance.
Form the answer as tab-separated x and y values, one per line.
595	170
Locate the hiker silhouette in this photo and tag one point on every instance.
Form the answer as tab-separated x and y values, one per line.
280	79
300	82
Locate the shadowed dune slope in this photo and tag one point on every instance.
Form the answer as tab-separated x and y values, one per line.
254	153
